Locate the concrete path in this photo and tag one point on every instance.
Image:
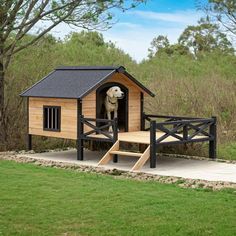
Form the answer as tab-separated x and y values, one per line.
166	166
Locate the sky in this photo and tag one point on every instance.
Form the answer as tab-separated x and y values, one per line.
136	28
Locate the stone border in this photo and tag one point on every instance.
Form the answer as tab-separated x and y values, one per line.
141	176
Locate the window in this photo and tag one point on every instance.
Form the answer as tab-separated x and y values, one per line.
52	118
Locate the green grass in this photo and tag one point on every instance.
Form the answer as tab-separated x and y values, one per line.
46	201
228	151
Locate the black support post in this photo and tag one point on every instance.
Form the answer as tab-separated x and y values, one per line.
29	136
29	142
80	131
115	137
142	115
212	143
153	145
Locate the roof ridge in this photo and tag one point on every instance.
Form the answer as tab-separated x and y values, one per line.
89	67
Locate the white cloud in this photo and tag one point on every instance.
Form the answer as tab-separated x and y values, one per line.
128	25
135	38
137	41
184	17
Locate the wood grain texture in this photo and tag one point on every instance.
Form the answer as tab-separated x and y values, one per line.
142	160
68	117
108	156
89	107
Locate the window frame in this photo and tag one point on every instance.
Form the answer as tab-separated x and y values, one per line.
46	107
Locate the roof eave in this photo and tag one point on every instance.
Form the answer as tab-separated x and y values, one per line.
139	84
22	94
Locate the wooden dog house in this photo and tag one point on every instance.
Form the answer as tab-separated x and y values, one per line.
72	91
68	103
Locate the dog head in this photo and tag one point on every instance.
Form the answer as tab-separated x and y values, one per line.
115	92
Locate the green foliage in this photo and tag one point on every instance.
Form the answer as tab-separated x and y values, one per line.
161	45
196	40
205	37
47	201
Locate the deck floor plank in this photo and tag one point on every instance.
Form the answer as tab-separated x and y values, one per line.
140	137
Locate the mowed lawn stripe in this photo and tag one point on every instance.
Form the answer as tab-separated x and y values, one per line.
46	201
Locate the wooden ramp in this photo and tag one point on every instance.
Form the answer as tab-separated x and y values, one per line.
115	150
139	137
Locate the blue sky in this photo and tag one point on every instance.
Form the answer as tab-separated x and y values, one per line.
136	28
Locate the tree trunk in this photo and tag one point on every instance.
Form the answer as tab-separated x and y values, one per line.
2	126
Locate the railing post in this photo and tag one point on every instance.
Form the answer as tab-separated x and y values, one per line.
185	132
212	143
153	145
115	129
115	137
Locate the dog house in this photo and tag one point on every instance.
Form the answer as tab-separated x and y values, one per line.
69	103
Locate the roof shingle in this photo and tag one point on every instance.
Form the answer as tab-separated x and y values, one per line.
73	81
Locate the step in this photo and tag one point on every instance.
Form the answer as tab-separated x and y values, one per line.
124	153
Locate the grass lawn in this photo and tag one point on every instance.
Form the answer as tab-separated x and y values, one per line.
46	201
227	151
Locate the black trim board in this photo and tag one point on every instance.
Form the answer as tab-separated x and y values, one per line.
98	84
89	67
142	120
138	83
80	131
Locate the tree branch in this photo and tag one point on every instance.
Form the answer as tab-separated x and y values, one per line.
16	50
12	16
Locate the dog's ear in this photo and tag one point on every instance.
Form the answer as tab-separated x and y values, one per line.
110	93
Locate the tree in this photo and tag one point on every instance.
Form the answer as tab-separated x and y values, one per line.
19	17
223	11
205	37
161	45
84	38
158	45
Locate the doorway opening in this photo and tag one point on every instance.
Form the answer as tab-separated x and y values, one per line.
122	105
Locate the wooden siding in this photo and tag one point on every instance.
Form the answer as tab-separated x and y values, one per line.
89	108
68	117
89	102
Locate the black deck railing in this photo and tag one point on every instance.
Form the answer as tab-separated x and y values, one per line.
164	130
99	126
182	129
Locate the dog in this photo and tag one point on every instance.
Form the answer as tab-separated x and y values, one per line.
111	102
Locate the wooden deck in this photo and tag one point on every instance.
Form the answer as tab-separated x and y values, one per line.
141	137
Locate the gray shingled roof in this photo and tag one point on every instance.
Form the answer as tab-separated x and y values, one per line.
74	81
